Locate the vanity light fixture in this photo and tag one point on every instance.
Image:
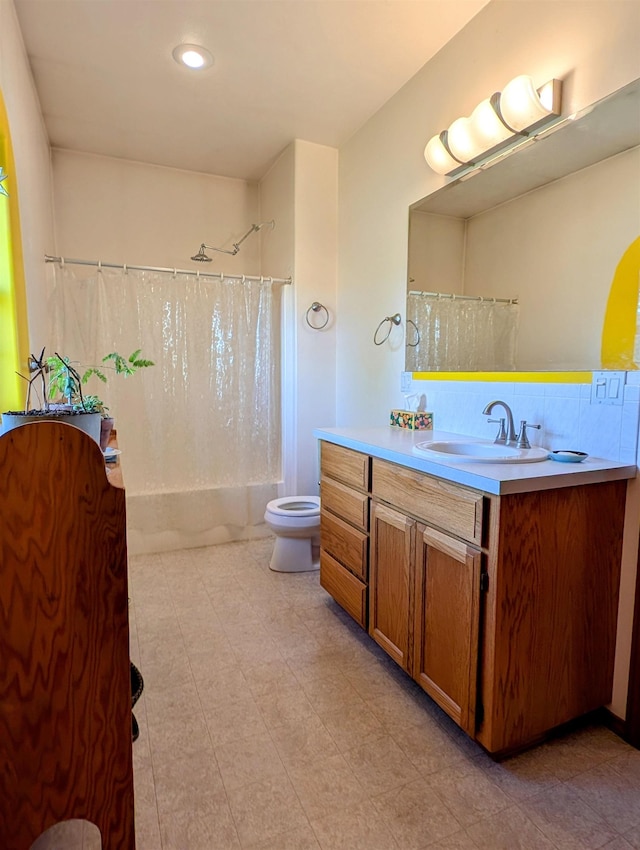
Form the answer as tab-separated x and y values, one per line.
519	112
193	56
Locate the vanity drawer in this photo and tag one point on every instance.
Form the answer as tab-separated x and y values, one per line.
449	506
348	591
345	465
345	502
345	543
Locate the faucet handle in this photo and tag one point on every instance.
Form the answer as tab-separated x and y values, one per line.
522	441
502	433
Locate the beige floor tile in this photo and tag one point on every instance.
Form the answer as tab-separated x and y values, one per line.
380	765
416	815
633	837
613	791
459	841
618	844
326	786
331	693
284	706
264	810
468	792
266	677
359	828
297	839
221	686
253	759
304	742
191	784
522	776
427	746
232	721
188	831
567	820
180	737
353	725
510	829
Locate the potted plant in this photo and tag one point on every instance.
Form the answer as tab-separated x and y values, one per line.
61	395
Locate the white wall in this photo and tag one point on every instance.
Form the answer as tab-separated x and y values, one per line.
592	46
31	154
119	211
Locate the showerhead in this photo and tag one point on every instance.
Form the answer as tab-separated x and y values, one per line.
201	257
262	224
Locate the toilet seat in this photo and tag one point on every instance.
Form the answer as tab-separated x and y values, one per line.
292	506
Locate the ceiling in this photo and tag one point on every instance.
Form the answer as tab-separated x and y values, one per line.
283	69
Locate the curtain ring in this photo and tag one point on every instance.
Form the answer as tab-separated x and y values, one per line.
99	265
61	262
124	268
417	342
316	307
393	320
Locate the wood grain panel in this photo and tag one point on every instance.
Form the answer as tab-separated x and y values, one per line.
345	465
449	506
551	611
389	583
348	504
346	589
446	625
65	698
345	543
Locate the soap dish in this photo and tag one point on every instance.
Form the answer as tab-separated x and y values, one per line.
568	456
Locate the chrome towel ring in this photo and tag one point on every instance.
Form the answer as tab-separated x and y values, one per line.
317	307
393	320
415	327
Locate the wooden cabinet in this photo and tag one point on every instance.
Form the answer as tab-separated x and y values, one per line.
344	528
65	684
447	579
390	579
503	608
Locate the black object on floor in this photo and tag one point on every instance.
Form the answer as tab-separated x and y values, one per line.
137	685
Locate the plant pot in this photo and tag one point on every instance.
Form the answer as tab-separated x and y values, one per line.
87	422
106	426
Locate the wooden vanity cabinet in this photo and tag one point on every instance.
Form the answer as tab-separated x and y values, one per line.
344	528
424	606
502	608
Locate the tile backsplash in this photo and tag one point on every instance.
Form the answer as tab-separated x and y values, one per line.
569	420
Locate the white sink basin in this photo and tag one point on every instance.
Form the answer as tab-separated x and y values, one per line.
476	451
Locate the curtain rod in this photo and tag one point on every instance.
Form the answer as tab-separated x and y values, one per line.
454	297
198	273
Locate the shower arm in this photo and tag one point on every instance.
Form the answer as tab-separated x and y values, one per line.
236	245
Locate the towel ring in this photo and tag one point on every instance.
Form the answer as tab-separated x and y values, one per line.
317	307
393	320
417	342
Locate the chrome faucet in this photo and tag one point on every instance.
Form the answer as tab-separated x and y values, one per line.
510	436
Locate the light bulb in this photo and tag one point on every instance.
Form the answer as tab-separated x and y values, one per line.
460	140
520	104
438	157
486	127
192	56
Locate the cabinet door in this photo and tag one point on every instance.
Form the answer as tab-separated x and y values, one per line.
447	607
389	584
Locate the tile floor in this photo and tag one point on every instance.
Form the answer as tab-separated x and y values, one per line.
270	721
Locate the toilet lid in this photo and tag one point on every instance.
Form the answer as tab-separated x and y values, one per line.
295	506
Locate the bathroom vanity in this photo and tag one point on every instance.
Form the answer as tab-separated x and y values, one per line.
494	586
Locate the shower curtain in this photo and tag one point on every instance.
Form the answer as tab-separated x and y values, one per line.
200	430
461	334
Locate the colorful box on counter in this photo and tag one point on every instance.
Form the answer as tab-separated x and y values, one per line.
412	420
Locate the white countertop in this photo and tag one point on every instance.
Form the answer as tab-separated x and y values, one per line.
396	445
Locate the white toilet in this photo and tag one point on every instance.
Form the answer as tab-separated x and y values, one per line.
295	520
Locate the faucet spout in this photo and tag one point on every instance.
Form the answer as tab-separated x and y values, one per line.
511	431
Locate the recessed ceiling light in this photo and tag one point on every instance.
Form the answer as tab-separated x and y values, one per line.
193	56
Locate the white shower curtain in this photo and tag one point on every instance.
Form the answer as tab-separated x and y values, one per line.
461	334
200	430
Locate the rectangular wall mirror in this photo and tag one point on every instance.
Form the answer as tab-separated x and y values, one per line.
545	224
